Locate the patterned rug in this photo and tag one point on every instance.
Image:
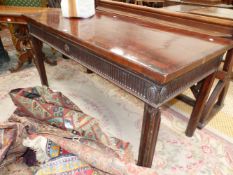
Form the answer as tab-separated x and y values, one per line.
208	152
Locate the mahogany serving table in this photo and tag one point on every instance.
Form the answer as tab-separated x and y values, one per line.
151	61
201	24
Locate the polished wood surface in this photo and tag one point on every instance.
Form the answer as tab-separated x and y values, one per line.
176	18
109	34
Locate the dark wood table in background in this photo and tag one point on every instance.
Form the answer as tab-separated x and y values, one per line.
151	61
13	15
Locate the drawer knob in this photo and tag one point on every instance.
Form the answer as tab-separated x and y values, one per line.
66	48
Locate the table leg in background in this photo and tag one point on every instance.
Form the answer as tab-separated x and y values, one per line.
199	106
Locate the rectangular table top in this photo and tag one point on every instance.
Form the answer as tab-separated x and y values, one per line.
159	52
204	11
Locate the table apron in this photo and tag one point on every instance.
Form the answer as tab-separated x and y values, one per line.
149	91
